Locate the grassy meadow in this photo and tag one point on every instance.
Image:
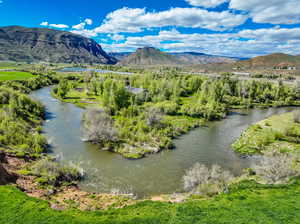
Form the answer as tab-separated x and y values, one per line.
14	75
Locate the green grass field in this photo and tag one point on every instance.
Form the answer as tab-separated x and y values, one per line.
14	75
249	203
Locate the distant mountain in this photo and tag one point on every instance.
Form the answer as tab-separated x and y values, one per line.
269	61
150	56
40	44
153	56
119	55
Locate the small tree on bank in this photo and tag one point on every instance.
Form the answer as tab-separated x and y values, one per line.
207	181
276	168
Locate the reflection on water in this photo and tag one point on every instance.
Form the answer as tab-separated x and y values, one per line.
156	174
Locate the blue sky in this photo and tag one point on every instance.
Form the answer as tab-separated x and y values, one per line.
242	28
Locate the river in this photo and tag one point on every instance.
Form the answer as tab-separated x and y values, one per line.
156	174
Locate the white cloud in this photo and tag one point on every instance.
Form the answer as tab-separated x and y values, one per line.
59	26
117	37
130	20
270	11
206	3
79	26
44	23
88	21
82	25
85	33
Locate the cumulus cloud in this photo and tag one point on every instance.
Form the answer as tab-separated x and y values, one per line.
82	25
59	26
131	20
246	43
206	3
270	11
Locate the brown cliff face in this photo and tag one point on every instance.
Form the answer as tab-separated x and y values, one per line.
40	44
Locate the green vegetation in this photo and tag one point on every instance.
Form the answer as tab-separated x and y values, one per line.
21	117
279	132
20	124
148	110
15	75
247	202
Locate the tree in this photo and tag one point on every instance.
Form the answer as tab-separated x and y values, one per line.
296	115
154	117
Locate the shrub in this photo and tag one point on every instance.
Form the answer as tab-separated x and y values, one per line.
98	127
55	174
296	116
275	168
203	180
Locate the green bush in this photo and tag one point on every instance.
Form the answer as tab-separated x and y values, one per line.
54	173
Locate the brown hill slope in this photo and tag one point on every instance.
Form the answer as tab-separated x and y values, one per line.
269	61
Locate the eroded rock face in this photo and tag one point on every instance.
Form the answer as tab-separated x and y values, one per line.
40	44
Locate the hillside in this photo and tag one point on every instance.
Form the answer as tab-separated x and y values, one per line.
150	56
194	58
40	44
269	61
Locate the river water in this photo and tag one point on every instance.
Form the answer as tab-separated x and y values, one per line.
155	174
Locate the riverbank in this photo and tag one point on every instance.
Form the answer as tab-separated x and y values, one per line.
279	132
246	203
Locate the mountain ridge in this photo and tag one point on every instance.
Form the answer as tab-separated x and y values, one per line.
19	43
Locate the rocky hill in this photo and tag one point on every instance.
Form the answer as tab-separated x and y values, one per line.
40	44
150	56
